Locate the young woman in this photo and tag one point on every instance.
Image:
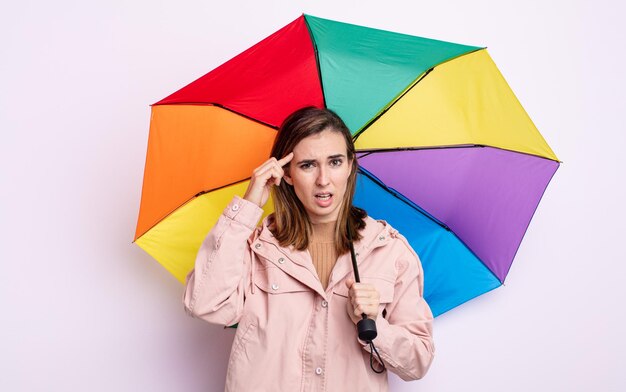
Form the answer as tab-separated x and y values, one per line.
289	284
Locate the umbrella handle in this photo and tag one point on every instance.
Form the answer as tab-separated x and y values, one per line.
366	327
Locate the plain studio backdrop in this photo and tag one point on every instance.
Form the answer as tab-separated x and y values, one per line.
84	309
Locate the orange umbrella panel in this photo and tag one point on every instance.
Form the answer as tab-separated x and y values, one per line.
194	149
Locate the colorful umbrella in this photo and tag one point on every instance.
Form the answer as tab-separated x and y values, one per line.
448	155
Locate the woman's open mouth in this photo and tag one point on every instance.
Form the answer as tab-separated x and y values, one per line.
324	199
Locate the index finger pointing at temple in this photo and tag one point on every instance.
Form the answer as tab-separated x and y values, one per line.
286	159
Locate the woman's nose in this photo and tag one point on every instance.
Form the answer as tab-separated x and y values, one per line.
322	177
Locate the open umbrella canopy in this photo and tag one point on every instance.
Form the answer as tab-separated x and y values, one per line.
448	155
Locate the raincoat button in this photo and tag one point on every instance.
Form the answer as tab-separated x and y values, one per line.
281	260
235	207
324	304
257	246
274	287
318	371
382	237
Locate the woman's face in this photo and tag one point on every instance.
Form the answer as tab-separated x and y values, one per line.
319	174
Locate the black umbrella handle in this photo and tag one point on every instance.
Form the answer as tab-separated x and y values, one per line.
366	327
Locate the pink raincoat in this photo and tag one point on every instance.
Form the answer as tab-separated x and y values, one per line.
293	335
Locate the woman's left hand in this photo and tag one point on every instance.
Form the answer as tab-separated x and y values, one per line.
362	298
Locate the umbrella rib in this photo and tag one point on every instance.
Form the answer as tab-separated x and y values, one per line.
219	105
317	60
216	189
369	151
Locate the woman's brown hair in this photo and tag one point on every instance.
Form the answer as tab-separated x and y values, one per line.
290	222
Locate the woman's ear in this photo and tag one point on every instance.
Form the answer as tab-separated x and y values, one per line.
287	178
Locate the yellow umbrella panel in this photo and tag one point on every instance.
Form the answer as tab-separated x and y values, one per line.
465	101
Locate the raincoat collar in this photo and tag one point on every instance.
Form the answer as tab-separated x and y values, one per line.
299	264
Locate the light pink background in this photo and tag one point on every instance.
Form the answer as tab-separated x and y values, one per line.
83	309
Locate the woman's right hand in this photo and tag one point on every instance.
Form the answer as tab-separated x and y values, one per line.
263	177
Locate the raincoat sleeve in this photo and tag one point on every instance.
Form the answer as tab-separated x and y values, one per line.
215	287
404	339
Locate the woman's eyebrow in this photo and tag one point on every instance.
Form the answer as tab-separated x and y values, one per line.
306	161
335	156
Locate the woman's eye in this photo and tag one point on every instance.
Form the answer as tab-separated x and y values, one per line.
306	166
335	162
